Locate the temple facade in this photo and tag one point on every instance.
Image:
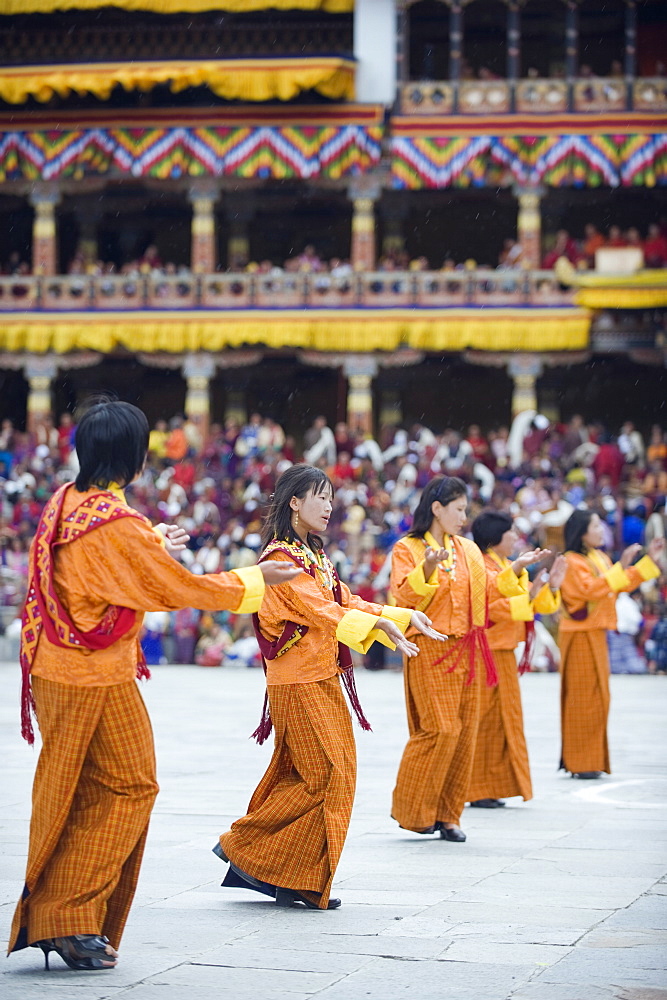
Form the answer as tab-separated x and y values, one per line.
337	207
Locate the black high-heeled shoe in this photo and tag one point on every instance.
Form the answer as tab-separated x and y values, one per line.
83	952
287	897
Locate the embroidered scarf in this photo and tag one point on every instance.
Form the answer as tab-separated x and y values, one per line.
475	639
43	609
292	632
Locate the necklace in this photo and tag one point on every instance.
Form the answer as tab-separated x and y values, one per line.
321	563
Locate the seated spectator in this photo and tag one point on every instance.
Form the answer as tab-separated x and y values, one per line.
564	246
655	247
176	447
615	237
593	240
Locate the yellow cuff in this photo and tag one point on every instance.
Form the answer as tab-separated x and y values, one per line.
617	578
647	569
399	616
546	602
252	579
421	586
511	585
520	608
356	629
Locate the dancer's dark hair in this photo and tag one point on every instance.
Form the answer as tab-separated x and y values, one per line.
489	527
576	527
442	488
111	442
297	481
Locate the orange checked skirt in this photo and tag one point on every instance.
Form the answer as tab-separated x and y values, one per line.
297	820
584	700
93	793
501	766
443	715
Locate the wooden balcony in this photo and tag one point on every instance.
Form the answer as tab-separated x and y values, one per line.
233	292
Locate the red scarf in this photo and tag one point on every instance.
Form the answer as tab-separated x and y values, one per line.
291	634
42	608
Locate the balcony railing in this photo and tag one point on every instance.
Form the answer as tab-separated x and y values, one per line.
378	289
542	96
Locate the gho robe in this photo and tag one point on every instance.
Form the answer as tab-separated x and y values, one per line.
442	683
96	565
501	767
589	611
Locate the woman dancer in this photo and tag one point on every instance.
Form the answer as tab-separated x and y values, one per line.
500	767
589	611
434	568
95	566
289	843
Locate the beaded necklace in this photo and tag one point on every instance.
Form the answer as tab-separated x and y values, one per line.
321	563
448	564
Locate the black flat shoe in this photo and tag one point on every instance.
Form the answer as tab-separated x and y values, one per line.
488	803
287	897
455	833
236	878
587	775
83	952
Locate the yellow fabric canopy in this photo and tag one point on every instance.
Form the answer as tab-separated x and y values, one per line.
233	79
642	290
174	6
558	329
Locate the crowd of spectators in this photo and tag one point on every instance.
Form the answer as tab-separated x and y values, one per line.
581	253
216	486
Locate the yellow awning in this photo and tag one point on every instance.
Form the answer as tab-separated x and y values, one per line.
233	79
557	329
174	6
645	289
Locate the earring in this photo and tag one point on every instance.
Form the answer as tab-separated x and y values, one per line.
296	520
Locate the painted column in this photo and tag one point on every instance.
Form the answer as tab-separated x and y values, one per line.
529	227
198	370
40	372
360	370
44	198
362	251
524	369
203	256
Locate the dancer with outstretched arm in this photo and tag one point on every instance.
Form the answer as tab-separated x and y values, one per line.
95	566
589	611
289	843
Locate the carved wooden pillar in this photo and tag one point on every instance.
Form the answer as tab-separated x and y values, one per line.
360	370
524	369
529	227
40	372
44	198
198	370
362	251
203	258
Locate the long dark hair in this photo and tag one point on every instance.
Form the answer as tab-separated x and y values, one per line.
297	481
576	527
444	489
489	527
111	444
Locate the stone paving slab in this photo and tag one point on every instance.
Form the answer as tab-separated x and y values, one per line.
560	898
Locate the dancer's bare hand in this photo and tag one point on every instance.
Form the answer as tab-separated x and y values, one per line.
529	559
393	632
431	559
278	572
424	624
175	538
557	572
629	555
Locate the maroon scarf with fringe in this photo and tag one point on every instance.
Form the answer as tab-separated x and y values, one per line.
291	634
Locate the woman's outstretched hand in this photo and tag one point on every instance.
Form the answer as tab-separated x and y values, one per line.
393	632
175	538
423	623
529	559
278	572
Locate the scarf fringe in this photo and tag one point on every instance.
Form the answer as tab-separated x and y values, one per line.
265	726
27	703
525	664
351	688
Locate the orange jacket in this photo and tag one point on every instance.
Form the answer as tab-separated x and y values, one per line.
590	587
510	606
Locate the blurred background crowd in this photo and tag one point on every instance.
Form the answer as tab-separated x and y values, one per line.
217	488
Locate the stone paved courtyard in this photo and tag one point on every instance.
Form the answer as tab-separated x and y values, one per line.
562	898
